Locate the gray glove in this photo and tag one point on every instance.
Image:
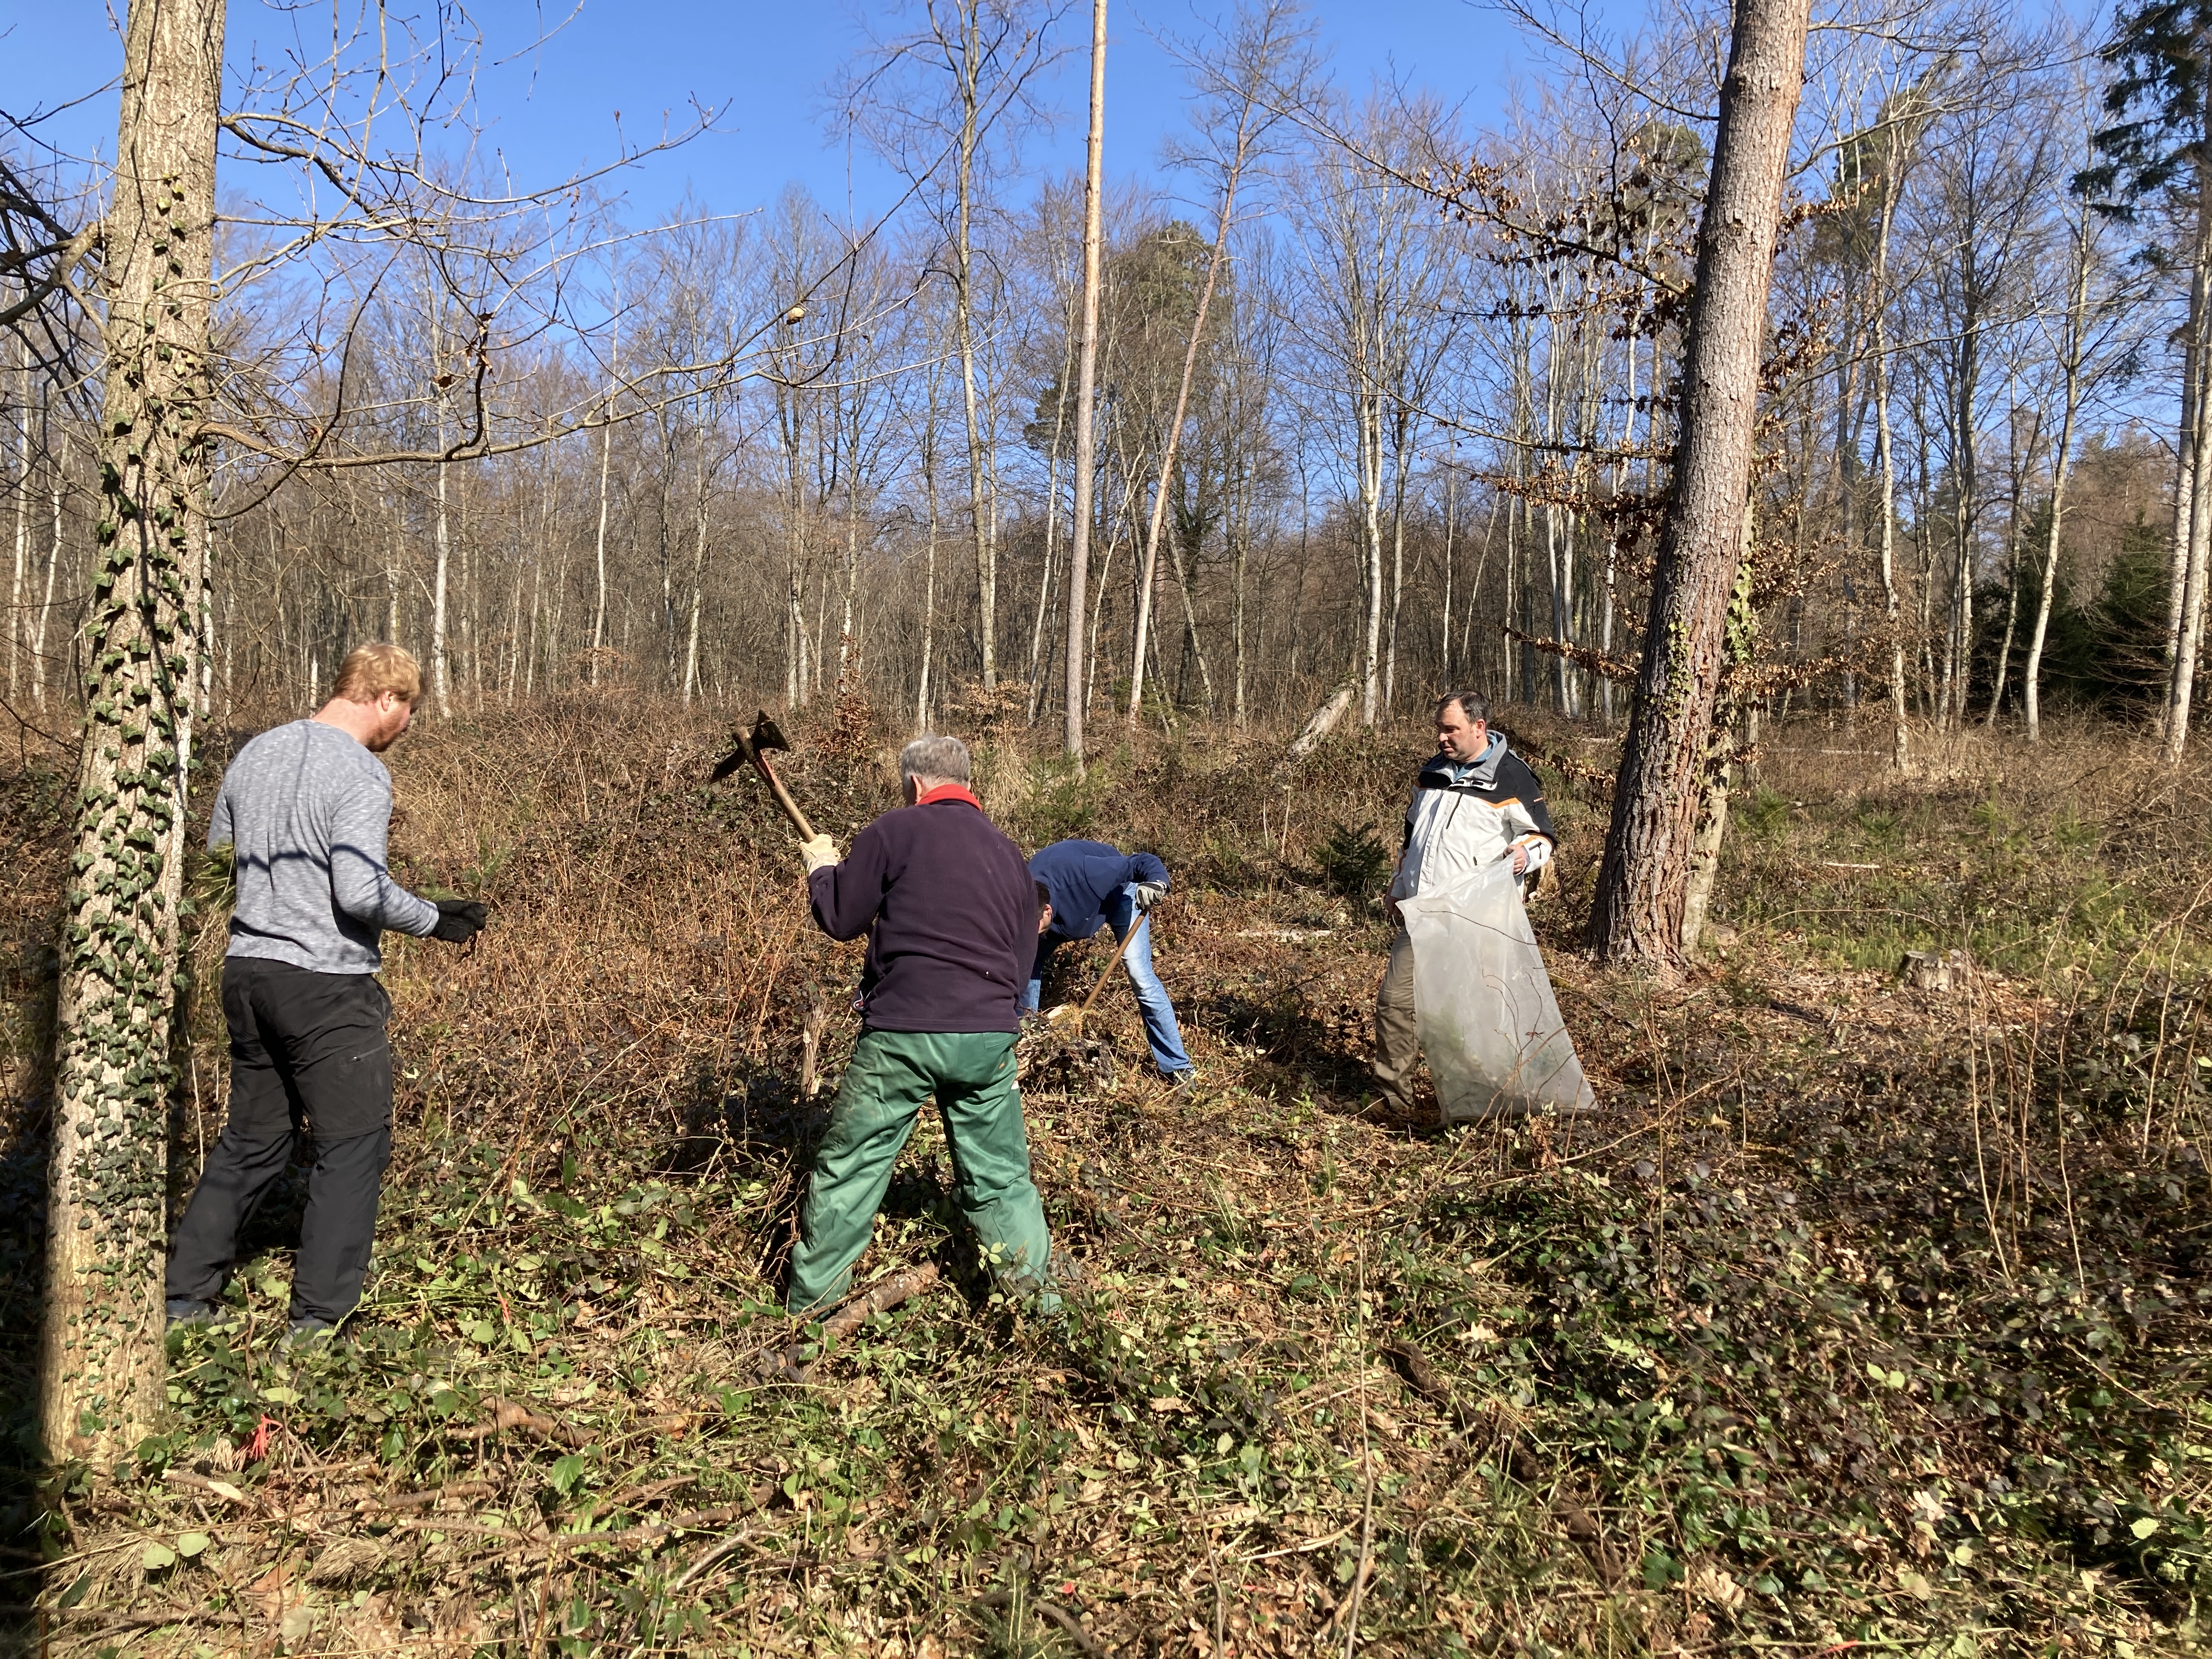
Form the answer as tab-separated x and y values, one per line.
1146	893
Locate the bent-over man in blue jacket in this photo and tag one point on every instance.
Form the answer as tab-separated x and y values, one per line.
1093	884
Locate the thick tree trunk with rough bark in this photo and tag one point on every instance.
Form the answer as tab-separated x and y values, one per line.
1718	779
100	1362
1642	885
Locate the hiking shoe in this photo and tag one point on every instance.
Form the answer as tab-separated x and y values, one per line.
188	1314
1181	1082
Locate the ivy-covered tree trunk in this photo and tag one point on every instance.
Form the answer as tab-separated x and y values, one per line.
1642	885
100	1363
1737	712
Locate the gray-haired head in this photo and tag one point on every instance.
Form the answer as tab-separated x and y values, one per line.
938	760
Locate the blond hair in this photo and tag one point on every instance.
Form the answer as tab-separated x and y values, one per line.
370	671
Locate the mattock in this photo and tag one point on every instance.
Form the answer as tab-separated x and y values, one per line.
764	735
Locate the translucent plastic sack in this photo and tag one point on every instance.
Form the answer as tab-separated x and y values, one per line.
1490	1025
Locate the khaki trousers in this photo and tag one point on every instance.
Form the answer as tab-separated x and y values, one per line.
1397	1035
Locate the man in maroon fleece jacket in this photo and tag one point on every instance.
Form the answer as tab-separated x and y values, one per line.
951	913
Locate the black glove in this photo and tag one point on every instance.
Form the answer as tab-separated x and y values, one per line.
459	921
1147	894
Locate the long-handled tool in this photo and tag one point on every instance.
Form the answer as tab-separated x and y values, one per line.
1067	1009
764	735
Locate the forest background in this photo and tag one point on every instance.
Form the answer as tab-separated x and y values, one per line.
738	448
1868	1313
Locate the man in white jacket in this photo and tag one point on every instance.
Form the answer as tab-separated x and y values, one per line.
1474	803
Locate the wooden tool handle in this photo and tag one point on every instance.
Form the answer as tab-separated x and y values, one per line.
783	797
1113	962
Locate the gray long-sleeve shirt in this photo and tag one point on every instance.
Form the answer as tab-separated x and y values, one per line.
308	811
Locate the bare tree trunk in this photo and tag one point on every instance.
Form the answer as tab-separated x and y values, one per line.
440	673
1190	619
1900	735
1051	530
1086	381
1369	412
100	1360
1719	775
1397	558
963	301
2193	367
699	568
2187	625
2019	465
60	491
1958	645
1243	532
928	597
599	554
2069	364
23	518
790	422
514	629
848	641
392	560
1642	885
1238	155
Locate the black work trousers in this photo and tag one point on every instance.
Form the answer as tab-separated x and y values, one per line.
308	1055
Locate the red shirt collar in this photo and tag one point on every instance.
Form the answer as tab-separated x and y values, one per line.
948	791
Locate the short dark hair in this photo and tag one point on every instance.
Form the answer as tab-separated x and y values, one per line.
1044	900
1472	704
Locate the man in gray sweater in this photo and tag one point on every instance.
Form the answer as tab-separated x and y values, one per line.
307	809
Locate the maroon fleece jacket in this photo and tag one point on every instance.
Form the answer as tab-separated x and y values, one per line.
951	913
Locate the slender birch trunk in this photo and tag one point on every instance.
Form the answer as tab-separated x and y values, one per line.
2018	466
1051	529
23	518
1079	548
1901	731
1238	155
599	553
2070	356
2187	626
53	572
440	672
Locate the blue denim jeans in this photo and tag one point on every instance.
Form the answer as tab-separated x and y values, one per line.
1161	1031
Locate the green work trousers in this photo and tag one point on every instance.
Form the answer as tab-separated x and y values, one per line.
971	1073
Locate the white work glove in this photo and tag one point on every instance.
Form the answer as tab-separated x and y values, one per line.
819	854
1146	893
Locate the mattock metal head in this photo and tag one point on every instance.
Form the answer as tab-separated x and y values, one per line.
766	733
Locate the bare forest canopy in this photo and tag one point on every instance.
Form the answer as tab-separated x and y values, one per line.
1425	434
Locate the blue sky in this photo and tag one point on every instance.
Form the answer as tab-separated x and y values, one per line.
552	112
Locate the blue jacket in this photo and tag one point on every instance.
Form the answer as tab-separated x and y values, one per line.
1082	876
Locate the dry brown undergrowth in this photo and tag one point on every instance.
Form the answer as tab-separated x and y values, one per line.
1798	1345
